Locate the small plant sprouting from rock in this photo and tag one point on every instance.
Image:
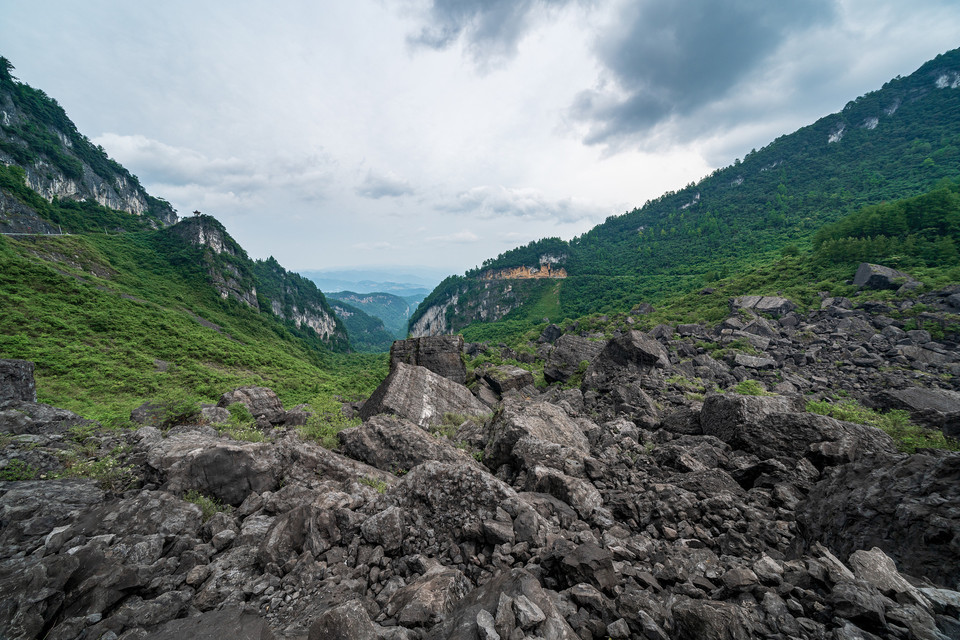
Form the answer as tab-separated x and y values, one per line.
17	469
209	506
379	485
751	388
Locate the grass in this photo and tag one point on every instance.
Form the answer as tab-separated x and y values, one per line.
209	506
751	388
896	423
379	485
103	344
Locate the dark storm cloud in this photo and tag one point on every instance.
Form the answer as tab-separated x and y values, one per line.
490	28
669	59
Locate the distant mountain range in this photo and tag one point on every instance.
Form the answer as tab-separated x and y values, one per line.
401	281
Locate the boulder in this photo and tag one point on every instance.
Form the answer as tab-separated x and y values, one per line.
16	381
348	621
570	564
935	407
457	498
565	359
771	305
506	378
522	435
875	276
423	602
909	508
440	354
263	403
633	351
222	469
395	444
421	396
773	427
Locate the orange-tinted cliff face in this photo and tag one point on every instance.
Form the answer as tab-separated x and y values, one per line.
545	270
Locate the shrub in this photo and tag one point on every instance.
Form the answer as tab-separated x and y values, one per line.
896	423
209	506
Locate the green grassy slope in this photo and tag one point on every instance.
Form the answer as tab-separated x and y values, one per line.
112	321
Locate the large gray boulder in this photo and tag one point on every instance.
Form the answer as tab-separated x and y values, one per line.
775	426
421	396
568	352
222	469
909	508
772	305
526	434
875	276
458	500
440	354
394	444
935	407
16	381
263	403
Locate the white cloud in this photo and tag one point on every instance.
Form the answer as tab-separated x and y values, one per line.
459	237
384	185
499	201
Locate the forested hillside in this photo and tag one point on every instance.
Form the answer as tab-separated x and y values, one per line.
897	142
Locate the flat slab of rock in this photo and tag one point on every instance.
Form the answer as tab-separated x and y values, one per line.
773	305
214	625
875	276
440	354
936	407
524	433
421	396
393	444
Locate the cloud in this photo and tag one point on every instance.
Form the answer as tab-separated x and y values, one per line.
498	201
489	29
228	180
387	185
371	246
668	60
460	237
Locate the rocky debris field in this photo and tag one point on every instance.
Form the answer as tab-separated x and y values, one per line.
639	496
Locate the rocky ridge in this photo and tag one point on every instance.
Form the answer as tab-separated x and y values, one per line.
629	499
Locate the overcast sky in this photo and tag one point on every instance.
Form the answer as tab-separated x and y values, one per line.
349	133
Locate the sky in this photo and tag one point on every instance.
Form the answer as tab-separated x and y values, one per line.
438	133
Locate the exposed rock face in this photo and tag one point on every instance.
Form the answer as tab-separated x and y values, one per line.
16	381
875	276
16	217
440	354
109	184
394	444
421	396
568	352
910	509
938	408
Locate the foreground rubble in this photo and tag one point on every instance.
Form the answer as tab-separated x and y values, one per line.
626	507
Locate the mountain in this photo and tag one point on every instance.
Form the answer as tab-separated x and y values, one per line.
392	309
117	300
892	143
367	332
400	280
59	162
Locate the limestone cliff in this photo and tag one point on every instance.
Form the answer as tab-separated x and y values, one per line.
59	161
545	270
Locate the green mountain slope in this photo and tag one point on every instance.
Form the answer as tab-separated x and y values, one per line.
116	304
392	309
367	333
59	161
896	142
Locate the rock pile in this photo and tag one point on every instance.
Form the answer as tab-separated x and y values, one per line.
642	503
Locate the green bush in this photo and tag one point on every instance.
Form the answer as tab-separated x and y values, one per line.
209	506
